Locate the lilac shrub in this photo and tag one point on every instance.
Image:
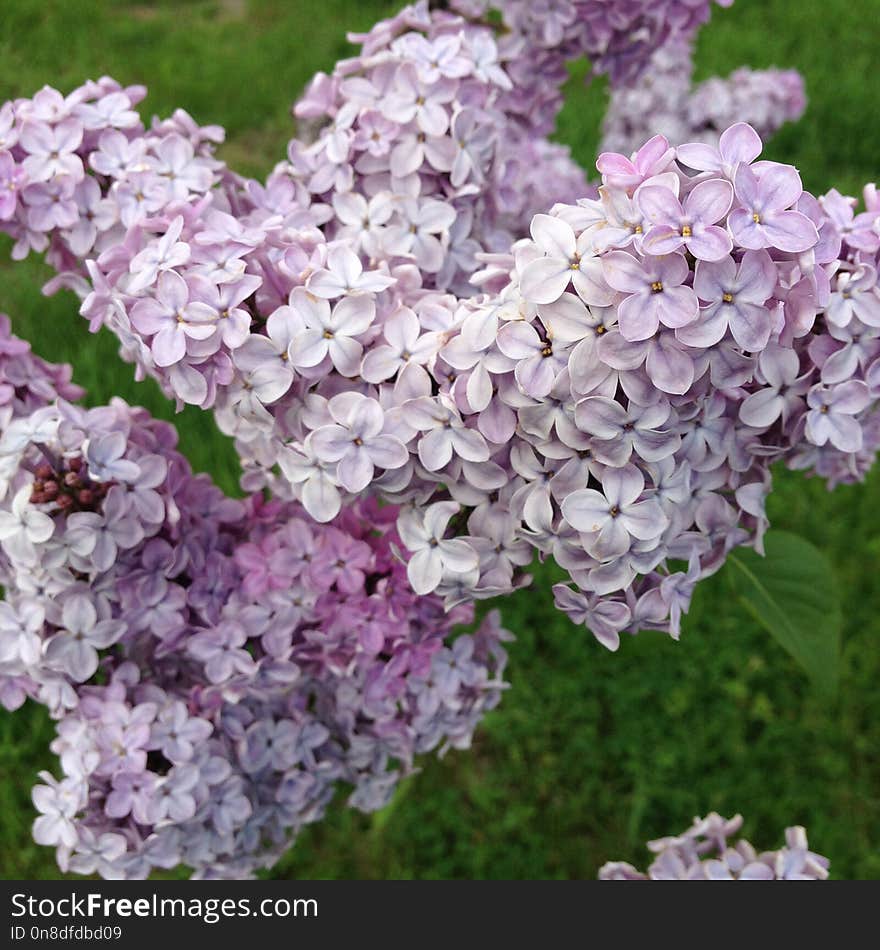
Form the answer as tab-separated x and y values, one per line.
703	853
217	668
440	351
613	397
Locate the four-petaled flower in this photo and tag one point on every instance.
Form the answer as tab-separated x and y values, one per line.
615	517
356	441
692	225
735	296
431	554
563	259
172	318
655	293
765	220
329	332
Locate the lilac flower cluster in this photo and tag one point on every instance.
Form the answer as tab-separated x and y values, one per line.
392	316
217	667
616	37
613	397
664	100
703	853
431	144
77	171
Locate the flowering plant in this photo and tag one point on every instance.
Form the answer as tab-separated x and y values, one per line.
217	667
425	306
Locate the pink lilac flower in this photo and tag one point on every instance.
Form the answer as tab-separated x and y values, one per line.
172	319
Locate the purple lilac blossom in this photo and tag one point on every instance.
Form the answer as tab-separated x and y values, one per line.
663	99
704	853
217	668
576	314
359	372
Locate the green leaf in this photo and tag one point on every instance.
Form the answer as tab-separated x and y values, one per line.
792	592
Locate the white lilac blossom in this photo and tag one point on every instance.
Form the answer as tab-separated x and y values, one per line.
704	853
217	668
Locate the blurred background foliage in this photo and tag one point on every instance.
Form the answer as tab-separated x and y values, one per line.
590	753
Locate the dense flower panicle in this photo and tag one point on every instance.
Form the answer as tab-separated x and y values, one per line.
617	38
80	170
703	853
664	100
217	667
611	394
425	305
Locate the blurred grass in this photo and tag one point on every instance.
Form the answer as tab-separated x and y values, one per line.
590	753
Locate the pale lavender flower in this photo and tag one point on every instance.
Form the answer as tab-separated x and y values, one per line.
564	259
783	394
735	298
617	432
172	319
405	345
105	457
23	527
356	441
445	436
738	144
614	516
345	274
692	225
831	416
330	333
856	296
420	223
654	291
765	220
58	803
605	619
51	150
74	648
159	256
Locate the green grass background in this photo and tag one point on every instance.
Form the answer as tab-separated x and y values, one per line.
590	753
